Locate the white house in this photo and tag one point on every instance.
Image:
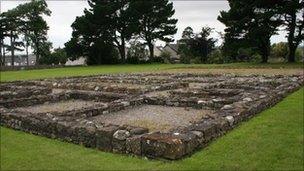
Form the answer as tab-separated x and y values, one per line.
173	50
79	61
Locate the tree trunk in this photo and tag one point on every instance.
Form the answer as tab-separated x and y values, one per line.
151	50
122	50
291	37
3	54
292	52
27	55
37	53
264	58
1	57
265	49
12	49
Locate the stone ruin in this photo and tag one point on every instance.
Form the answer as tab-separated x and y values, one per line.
157	115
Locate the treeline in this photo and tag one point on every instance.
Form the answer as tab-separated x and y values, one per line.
109	25
102	33
249	26
125	31
251	23
25	28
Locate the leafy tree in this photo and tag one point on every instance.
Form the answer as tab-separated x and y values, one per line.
115	19
292	18
37	26
3	31
75	49
11	24
91	40
107	23
137	52
280	50
27	20
102	53
203	44
252	22
216	57
45	52
198	45
155	21
184	45
59	55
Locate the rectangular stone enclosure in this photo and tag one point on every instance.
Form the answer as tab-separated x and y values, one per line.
157	115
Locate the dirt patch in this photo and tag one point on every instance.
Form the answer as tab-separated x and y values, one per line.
155	118
58	107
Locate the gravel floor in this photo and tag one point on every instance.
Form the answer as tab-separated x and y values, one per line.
155	118
58	107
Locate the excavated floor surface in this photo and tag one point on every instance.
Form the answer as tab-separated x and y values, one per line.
154	117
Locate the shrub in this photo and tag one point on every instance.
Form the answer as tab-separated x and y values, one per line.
165	56
216	57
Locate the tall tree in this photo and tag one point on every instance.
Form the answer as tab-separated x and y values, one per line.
3	29
203	44
112	21
251	21
116	20
155	21
184	45
292	17
11	21
90	40
196	45
25	29
37	25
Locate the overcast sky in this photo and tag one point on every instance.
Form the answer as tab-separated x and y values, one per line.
189	13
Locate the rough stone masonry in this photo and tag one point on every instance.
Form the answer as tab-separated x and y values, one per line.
157	115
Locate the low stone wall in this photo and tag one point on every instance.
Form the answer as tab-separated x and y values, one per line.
78	127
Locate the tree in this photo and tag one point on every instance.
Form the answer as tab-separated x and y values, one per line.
115	19
3	30
91	41
137	52
280	50
11	26
187	34
252	22
107	23
38	26
155	21
203	44
45	53
196	45
184	45
292	18
59	56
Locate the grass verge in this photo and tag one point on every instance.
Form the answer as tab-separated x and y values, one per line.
103	69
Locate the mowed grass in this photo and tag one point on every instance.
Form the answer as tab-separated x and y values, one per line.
273	140
104	69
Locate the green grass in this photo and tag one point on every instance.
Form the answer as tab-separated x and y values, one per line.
93	70
272	140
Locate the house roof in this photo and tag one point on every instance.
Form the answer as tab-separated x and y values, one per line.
173	47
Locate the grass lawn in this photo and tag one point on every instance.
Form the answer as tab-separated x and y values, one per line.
93	70
273	140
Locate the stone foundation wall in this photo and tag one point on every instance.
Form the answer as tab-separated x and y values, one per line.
74	126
